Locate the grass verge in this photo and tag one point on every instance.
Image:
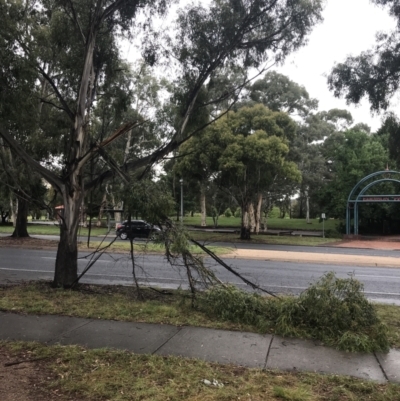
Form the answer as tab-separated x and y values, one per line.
168	307
110	302
117	375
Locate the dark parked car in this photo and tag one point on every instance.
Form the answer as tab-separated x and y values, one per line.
137	229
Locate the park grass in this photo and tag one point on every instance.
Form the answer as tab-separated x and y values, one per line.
43	229
121	303
233	222
37	229
104	374
272	223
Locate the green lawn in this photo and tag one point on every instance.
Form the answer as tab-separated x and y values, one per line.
39	229
234	222
273	223
42	229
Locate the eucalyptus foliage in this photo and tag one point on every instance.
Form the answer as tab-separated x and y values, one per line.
332	310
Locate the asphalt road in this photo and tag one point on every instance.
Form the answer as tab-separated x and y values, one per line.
381	284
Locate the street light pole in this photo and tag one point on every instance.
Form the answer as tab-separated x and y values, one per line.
181	181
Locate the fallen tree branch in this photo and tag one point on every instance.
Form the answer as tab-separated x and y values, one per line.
226	266
7	364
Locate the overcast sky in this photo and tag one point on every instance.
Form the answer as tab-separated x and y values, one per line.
349	27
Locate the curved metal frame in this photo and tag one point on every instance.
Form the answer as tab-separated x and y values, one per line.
360	197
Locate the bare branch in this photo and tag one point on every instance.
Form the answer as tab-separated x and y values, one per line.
116	134
233	271
71	115
112	8
113	165
52	104
75	18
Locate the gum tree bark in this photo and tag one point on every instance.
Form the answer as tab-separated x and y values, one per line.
20	230
203	205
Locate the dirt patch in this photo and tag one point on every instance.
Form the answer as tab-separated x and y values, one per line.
22	379
29	242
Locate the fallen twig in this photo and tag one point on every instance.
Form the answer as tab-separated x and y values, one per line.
7	364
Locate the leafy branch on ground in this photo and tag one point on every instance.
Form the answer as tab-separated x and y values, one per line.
333	310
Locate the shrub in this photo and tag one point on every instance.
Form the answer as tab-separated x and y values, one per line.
228	212
238	212
274	213
331	233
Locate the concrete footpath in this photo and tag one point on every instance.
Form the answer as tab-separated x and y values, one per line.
225	347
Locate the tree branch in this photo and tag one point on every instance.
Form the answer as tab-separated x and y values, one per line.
71	115
75	18
111	9
52	104
116	134
48	175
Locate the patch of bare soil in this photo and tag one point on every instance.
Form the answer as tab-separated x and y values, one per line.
24	379
31	243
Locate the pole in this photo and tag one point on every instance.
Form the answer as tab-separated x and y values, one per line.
181	181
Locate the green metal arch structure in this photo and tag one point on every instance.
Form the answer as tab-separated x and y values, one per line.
357	195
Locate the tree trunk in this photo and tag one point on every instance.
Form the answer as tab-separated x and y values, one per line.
245	231
258	213
66	270
265	221
20	230
4	217
13	214
252	218
203	205
307	207
301	214
101	211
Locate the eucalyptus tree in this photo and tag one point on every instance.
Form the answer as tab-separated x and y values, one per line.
21	110
71	45
352	155
375	73
307	151
252	144
279	93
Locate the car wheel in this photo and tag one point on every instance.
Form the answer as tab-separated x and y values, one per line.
123	236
